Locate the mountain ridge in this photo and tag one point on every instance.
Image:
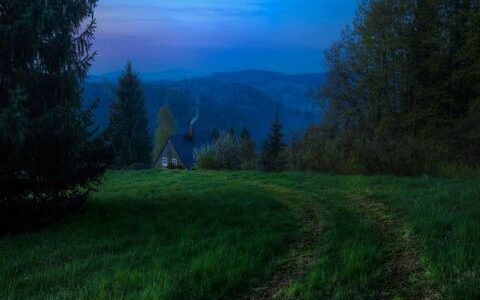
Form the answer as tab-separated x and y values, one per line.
294	90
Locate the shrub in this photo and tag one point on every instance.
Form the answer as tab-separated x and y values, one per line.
247	155
221	154
205	158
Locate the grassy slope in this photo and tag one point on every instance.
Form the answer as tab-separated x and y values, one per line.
146	234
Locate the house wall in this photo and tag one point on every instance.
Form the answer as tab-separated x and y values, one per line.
169	152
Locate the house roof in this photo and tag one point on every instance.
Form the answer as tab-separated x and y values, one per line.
185	146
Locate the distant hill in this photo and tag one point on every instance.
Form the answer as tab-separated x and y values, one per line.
293	90
174	74
261	78
221	105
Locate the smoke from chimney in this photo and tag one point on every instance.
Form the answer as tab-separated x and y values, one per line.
197	112
195	119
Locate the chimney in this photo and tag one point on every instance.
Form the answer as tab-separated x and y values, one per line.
190	132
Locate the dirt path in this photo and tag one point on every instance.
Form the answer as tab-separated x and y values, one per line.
303	252
405	276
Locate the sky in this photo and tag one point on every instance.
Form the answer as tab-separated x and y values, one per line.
287	36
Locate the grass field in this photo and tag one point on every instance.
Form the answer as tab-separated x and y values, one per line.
244	235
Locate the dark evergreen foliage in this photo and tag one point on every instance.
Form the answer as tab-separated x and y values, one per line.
274	156
47	145
128	127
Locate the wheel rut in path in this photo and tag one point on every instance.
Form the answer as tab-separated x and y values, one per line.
405	276
303	251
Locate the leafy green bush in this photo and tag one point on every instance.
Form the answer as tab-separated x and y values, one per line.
205	158
221	154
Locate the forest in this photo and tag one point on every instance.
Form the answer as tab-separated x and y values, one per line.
402	91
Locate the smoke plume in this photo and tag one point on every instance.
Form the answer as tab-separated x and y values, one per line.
197	112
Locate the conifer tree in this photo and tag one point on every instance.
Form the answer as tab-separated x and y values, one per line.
273	156
166	127
48	146
128	128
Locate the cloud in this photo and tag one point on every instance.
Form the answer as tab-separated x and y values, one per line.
178	11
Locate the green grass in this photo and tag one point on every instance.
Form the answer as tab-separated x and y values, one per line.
221	235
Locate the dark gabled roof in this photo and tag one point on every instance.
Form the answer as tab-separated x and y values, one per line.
185	146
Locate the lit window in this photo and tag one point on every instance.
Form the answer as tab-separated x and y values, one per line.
164	161
174	162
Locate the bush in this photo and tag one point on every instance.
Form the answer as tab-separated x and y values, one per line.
221	154
205	158
379	152
247	154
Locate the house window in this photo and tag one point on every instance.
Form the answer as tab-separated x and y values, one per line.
174	162
164	161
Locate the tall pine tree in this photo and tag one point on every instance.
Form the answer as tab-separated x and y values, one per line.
47	144
128	128
273	155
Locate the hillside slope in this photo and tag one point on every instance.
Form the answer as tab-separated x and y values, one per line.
295	90
220	104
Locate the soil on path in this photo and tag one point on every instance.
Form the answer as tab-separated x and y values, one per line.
303	251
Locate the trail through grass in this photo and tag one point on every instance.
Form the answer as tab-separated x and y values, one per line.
383	238
302	254
237	235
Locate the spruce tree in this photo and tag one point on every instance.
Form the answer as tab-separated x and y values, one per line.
128	128
48	146
273	156
166	128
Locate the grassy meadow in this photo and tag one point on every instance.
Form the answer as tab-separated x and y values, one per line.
254	235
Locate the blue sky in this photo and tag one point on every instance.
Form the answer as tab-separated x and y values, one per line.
218	35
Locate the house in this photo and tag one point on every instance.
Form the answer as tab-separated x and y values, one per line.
178	150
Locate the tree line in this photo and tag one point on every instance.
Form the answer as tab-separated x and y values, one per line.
402	94
403	91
